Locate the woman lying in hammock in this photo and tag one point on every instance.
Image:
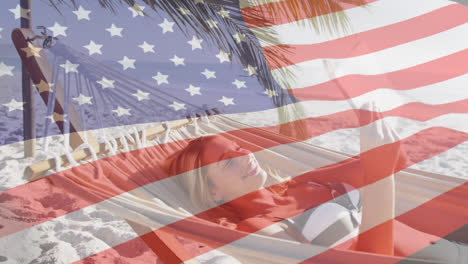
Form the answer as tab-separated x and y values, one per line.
235	186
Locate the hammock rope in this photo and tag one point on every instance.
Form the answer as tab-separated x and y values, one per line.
90	148
110	146
124	141
166	133
205	119
128	137
82	116
50	106
143	138
73	163
137	138
195	124
94	70
66	106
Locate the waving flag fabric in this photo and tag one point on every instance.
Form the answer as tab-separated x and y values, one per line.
408	58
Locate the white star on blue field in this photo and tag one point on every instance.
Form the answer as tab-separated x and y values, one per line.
185	69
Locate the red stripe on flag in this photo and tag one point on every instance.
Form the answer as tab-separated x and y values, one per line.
443	69
442	140
370	41
281	12
62	193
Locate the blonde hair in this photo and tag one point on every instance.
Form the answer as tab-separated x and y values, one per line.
196	182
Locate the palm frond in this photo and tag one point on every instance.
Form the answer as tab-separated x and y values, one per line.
326	15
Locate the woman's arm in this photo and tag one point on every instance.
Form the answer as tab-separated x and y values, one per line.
377	217
380	158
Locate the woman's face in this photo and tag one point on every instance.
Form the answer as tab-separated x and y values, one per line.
237	172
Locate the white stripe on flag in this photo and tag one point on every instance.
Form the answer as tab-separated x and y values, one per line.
322	108
389	60
372	16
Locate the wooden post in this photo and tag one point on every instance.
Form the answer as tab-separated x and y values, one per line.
40	72
29	133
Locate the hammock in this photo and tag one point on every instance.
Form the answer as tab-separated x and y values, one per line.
162	205
136	186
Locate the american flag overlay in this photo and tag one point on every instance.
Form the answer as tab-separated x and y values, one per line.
244	131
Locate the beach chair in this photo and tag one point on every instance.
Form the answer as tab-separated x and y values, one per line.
159	211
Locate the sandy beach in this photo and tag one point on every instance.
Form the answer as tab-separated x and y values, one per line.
85	232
